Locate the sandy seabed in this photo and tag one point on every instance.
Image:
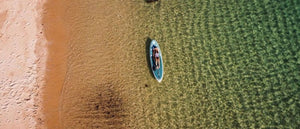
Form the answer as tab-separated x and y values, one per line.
23	52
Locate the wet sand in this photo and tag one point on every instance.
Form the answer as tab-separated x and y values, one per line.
56	33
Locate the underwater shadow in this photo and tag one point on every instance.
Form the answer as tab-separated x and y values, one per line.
149	1
147	46
154	1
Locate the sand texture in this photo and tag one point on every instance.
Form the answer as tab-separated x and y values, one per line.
22	56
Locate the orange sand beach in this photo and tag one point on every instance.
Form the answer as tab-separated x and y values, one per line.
23	55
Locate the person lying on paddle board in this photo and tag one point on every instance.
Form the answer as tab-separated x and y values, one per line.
156	57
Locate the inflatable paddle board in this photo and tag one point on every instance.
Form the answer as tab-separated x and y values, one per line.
157	70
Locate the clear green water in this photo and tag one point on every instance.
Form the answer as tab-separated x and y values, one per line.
228	64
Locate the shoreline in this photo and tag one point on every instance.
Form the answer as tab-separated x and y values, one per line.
23	64
56	34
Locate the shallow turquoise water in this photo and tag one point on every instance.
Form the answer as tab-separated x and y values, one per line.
228	64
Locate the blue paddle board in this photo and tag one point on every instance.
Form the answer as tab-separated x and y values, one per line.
158	73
